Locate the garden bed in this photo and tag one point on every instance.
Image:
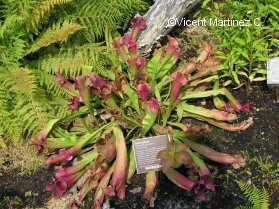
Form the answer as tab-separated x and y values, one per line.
258	144
118	95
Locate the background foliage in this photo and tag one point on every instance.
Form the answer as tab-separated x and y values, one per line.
244	50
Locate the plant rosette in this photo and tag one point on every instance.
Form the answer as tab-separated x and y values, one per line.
92	147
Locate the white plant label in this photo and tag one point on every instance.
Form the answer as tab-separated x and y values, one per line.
146	152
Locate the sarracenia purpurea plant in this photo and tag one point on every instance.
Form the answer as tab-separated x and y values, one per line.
141	97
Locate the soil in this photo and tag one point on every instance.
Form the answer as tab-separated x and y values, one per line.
260	140
26	190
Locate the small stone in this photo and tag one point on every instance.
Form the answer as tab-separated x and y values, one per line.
203	102
105	116
135	190
152	202
28	194
249	182
229	172
249	173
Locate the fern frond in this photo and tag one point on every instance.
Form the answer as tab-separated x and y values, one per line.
72	62
5	99
33	115
43	8
259	199
21	80
60	107
106	15
31	103
20	8
10	25
57	33
68	66
12	49
10	126
48	82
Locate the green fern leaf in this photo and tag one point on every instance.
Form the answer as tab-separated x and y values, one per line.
31	102
21	80
58	33
101	17
10	127
76	61
43	8
259	199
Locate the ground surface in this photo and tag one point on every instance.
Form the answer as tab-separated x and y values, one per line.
260	145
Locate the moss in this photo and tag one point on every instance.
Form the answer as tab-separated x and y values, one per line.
268	171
